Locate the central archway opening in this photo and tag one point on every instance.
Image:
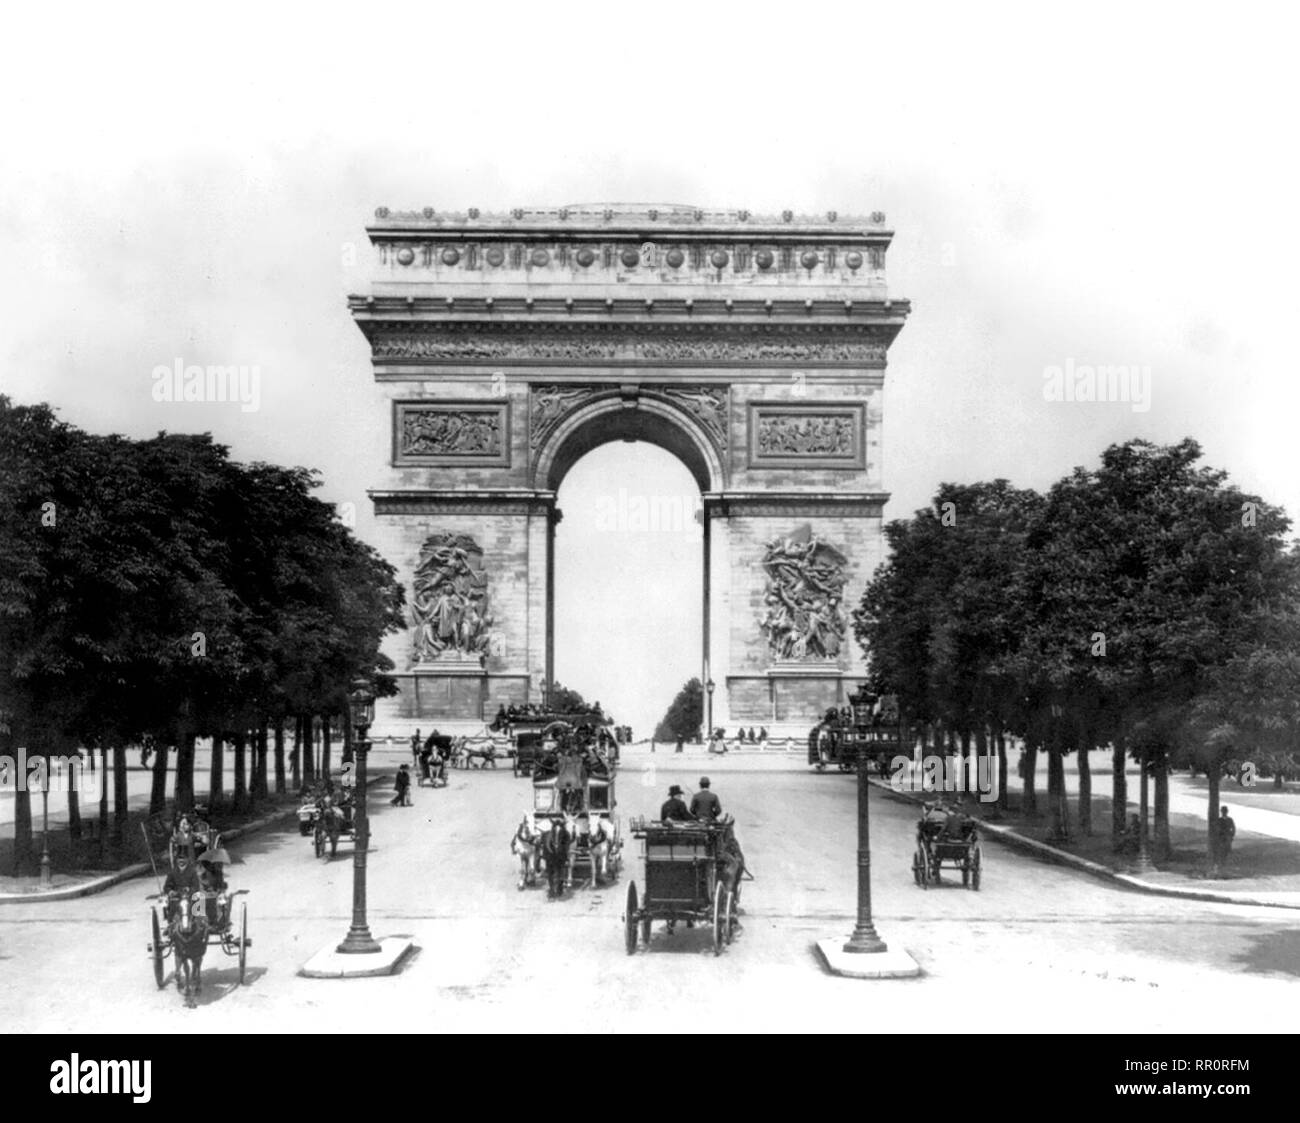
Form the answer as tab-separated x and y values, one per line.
628	582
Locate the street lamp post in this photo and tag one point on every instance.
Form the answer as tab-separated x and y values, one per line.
361	702
864	938
709	724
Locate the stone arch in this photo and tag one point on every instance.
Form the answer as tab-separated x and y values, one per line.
657	421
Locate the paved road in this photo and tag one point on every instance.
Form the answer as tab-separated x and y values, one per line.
1038	946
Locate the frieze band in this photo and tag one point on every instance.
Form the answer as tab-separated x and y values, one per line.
675	343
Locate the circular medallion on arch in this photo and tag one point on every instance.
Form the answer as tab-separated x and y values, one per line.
809	259
719	258
585	257
675	258
853	259
540	257
763	259
450	256
405	256
495	256
630	258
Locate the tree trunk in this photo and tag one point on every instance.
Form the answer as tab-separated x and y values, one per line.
1055	774
121	795
1144	807
1083	748
279	757
217	772
103	797
1163	847
1212	833
240	741
1118	789
183	795
1004	803
75	774
260	763
966	780
325	748
1029	799
308	749
22	848
295	757
158	792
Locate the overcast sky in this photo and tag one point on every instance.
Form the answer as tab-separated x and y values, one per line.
1108	187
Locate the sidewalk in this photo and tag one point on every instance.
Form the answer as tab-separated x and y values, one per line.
66	886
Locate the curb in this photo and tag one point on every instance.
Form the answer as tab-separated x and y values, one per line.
1008	836
140	869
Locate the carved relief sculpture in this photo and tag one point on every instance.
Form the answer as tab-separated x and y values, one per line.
807	435
805	587
549	405
449	600
435	432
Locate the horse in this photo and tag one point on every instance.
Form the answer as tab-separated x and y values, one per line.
527	845
188	928
555	856
464	754
601	846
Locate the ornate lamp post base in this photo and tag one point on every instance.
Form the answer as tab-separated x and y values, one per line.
359	942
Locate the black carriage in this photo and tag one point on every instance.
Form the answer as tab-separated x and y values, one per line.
225	930
869	727
214	902
326	816
535	738
692	874
946	837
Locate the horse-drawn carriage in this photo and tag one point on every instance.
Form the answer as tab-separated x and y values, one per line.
869	726
198	907
534	738
325	816
692	873
945	836
572	828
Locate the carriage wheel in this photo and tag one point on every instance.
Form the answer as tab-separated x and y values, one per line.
157	947
918	868
320	841
729	932
243	941
719	917
630	919
334	843
966	864
975	871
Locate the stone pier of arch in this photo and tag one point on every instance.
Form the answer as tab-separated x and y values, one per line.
508	346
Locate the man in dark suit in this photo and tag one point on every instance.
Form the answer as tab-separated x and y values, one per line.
674	809
705	806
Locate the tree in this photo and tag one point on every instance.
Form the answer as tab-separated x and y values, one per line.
685	717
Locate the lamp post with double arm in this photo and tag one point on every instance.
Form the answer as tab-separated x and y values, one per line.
361	704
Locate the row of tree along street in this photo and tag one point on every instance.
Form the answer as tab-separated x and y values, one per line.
1147	605
154	592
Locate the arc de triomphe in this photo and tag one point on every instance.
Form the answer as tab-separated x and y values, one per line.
752	348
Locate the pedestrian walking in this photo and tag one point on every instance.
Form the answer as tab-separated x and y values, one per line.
402	782
1225	831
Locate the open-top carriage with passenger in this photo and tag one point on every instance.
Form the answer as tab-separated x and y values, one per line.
197	906
693	872
869	726
572	828
946	836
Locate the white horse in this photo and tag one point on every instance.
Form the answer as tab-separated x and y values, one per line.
527	845
482	750
603	846
599	842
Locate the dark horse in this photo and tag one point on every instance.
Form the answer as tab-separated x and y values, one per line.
188	928
555	855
